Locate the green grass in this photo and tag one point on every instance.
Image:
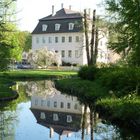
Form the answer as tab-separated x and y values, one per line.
82	88
126	109
37	74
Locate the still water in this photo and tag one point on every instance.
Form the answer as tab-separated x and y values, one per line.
43	113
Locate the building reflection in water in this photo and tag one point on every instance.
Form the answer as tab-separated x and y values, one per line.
60	113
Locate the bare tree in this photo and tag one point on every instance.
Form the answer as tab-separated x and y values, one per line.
92	48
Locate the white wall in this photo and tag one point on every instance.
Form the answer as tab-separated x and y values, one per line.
41	103
73	46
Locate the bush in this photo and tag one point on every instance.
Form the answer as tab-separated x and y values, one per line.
66	63
120	80
88	72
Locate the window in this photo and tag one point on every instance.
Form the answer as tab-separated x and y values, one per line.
63	53
69	53
50	39
55	117
55	104
69	118
44	27
56	39
77	39
71	26
36	101
57	27
43	40
70	38
42	103
62	105
37	40
42	115
76	53
68	105
75	106
48	103
63	39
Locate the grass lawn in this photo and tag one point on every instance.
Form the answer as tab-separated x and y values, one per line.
37	74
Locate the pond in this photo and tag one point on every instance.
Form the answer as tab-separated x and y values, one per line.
41	112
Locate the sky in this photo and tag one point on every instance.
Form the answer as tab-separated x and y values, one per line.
30	11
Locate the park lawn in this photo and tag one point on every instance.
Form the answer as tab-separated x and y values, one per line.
17	74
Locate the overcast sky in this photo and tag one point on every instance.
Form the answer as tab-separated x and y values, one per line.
29	11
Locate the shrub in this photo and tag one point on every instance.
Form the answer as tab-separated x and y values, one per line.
88	72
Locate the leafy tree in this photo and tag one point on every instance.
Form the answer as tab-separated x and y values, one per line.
125	31
9	43
25	40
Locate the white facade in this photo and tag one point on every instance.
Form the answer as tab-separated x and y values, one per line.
57	102
68	45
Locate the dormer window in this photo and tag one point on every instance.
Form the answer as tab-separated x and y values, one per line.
71	26
44	27
57	27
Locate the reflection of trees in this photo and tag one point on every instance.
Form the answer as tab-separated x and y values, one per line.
7	121
9	114
40	88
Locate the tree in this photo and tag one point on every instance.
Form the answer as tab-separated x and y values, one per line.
43	58
125	34
7	42
91	45
25	40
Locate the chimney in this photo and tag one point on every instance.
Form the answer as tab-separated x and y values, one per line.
69	7
52	10
62	5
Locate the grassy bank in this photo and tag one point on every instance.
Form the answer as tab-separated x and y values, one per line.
7	78
125	111
5	89
82	88
26	74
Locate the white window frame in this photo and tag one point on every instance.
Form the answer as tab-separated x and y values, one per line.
37	40
63	53
63	39
68	105
70	39
61	105
42	116
77	39
69	53
50	39
55	104
44	27
43	40
71	26
69	118
57	27
56	39
55	117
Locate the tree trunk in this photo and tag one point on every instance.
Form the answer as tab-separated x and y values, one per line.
96	46
84	117
92	44
86	36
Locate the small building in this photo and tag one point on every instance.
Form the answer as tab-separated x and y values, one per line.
63	32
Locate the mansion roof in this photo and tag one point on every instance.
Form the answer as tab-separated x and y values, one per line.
62	17
63	14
